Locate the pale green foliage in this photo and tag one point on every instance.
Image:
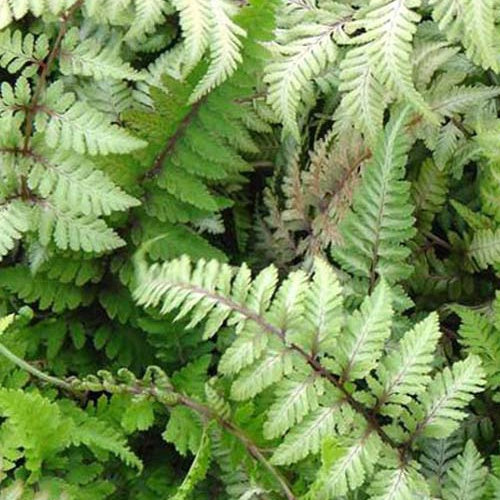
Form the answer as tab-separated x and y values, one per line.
73	231
136	128
211	24
448	391
73	181
18	51
386	46
367	330
312	406
471	23
404	371
310	433
194	17
11	10
381	219
404	483
466	478
148	14
85	130
303	51
345	465
15	219
89	58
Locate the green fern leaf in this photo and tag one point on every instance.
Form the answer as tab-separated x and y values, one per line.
149	13
86	130
75	232
294	400
73	182
48	293
13	10
485	247
404	371
322	315
90	58
41	437
225	46
290	77
403	483
467	477
345	465
473	24
478	336
18	51
449	392
306	437
381	220
364	99
197	471
15	220
194	18
97	434
360	346
266	372
390	26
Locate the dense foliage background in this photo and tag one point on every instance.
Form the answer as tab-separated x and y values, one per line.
152	152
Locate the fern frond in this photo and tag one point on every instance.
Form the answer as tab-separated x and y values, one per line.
345	465
290	76
148	14
47	292
485	247
40	437
13	10
73	183
381	220
472	24
389	28
197	471
364	99
405	371
448	394
15	220
74	231
90	58
367	329
402	483
17	51
294	400
429	192
479	336
99	435
225	46
268	370
194	17
306	437
323	312
467	476
85	130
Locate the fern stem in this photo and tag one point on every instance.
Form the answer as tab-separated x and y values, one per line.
311	361
355	405
250	446
34	371
172	141
201	409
